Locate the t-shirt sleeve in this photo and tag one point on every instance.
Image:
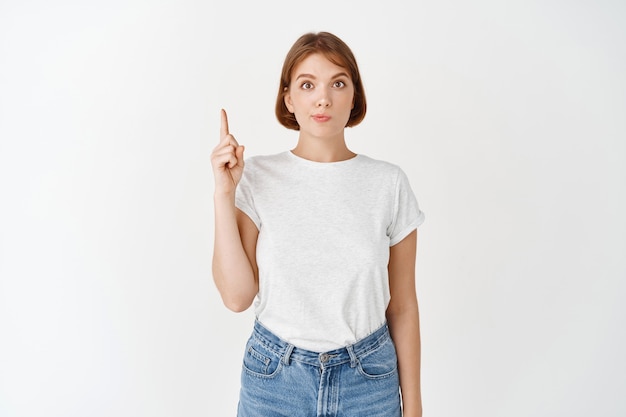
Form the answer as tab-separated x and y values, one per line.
244	195
407	215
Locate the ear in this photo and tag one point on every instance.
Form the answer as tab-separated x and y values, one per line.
288	102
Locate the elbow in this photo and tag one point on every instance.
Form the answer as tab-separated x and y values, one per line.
237	304
237	295
236	307
402	309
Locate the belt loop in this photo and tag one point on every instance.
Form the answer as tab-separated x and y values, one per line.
353	358
287	354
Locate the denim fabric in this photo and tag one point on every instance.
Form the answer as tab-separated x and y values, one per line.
360	380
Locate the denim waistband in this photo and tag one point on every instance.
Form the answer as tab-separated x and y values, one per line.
350	353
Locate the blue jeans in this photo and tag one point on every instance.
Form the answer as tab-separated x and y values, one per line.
360	380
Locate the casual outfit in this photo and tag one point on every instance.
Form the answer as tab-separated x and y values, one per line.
320	345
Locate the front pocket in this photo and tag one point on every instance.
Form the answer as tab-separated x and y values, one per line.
259	361
381	362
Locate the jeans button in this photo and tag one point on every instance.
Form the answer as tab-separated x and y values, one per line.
324	357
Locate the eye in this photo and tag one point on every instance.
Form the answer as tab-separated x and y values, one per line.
306	85
339	84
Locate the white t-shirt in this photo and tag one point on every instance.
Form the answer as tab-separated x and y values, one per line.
323	247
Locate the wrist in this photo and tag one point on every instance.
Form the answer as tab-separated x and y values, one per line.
224	199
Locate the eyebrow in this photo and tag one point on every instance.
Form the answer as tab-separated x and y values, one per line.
339	75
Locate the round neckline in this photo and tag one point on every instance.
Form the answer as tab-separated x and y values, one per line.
317	163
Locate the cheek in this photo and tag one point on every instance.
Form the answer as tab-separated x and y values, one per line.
347	102
299	102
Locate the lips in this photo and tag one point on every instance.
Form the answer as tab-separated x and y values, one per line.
321	118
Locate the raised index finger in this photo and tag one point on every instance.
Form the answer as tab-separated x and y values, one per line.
224	124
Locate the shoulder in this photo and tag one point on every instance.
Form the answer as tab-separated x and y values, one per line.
266	159
265	162
379	167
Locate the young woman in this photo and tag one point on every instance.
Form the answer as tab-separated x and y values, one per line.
323	241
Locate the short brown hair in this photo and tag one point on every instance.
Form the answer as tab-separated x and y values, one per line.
337	52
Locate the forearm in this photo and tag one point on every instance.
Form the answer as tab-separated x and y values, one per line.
405	332
232	270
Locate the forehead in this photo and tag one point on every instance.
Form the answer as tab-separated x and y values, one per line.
320	65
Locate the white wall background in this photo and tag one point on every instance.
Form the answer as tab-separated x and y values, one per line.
509	118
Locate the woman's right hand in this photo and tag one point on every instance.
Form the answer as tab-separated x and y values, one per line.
227	160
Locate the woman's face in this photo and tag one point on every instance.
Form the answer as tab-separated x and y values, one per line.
321	97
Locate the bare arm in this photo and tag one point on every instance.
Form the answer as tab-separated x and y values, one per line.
403	320
234	258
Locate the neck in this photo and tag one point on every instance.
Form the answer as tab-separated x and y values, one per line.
323	150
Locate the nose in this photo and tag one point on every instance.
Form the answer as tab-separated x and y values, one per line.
324	99
323	102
